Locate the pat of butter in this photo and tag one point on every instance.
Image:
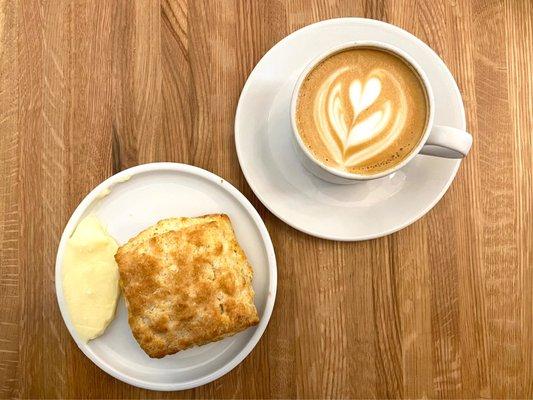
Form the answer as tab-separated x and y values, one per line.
90	278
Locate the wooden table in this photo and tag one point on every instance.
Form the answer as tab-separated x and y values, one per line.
443	308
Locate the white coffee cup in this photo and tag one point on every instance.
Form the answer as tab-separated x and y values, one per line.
440	141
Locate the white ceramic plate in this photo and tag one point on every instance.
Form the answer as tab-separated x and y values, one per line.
361	211
153	192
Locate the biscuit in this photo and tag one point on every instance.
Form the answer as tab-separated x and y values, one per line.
186	287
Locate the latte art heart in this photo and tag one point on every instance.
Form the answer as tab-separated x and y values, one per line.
361	110
350	112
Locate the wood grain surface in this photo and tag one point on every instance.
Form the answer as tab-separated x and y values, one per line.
441	309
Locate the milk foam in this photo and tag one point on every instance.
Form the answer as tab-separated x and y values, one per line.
366	124
362	110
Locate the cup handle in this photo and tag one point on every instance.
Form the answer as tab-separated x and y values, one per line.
447	142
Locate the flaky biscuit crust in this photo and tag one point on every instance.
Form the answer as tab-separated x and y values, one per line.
186	286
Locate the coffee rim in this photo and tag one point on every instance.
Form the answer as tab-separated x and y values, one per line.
353	45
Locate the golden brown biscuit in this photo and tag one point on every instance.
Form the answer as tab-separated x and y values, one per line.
186	287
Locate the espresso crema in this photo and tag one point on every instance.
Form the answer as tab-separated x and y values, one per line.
362	110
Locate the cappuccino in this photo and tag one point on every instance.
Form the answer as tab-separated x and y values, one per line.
362	110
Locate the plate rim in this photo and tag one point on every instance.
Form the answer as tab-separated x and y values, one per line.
246	88
93	196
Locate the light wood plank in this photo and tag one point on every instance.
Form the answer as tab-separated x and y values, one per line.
10	274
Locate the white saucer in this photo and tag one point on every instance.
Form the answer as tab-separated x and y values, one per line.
361	211
153	192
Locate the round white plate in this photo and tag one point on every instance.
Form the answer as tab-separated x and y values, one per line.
361	211
153	192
